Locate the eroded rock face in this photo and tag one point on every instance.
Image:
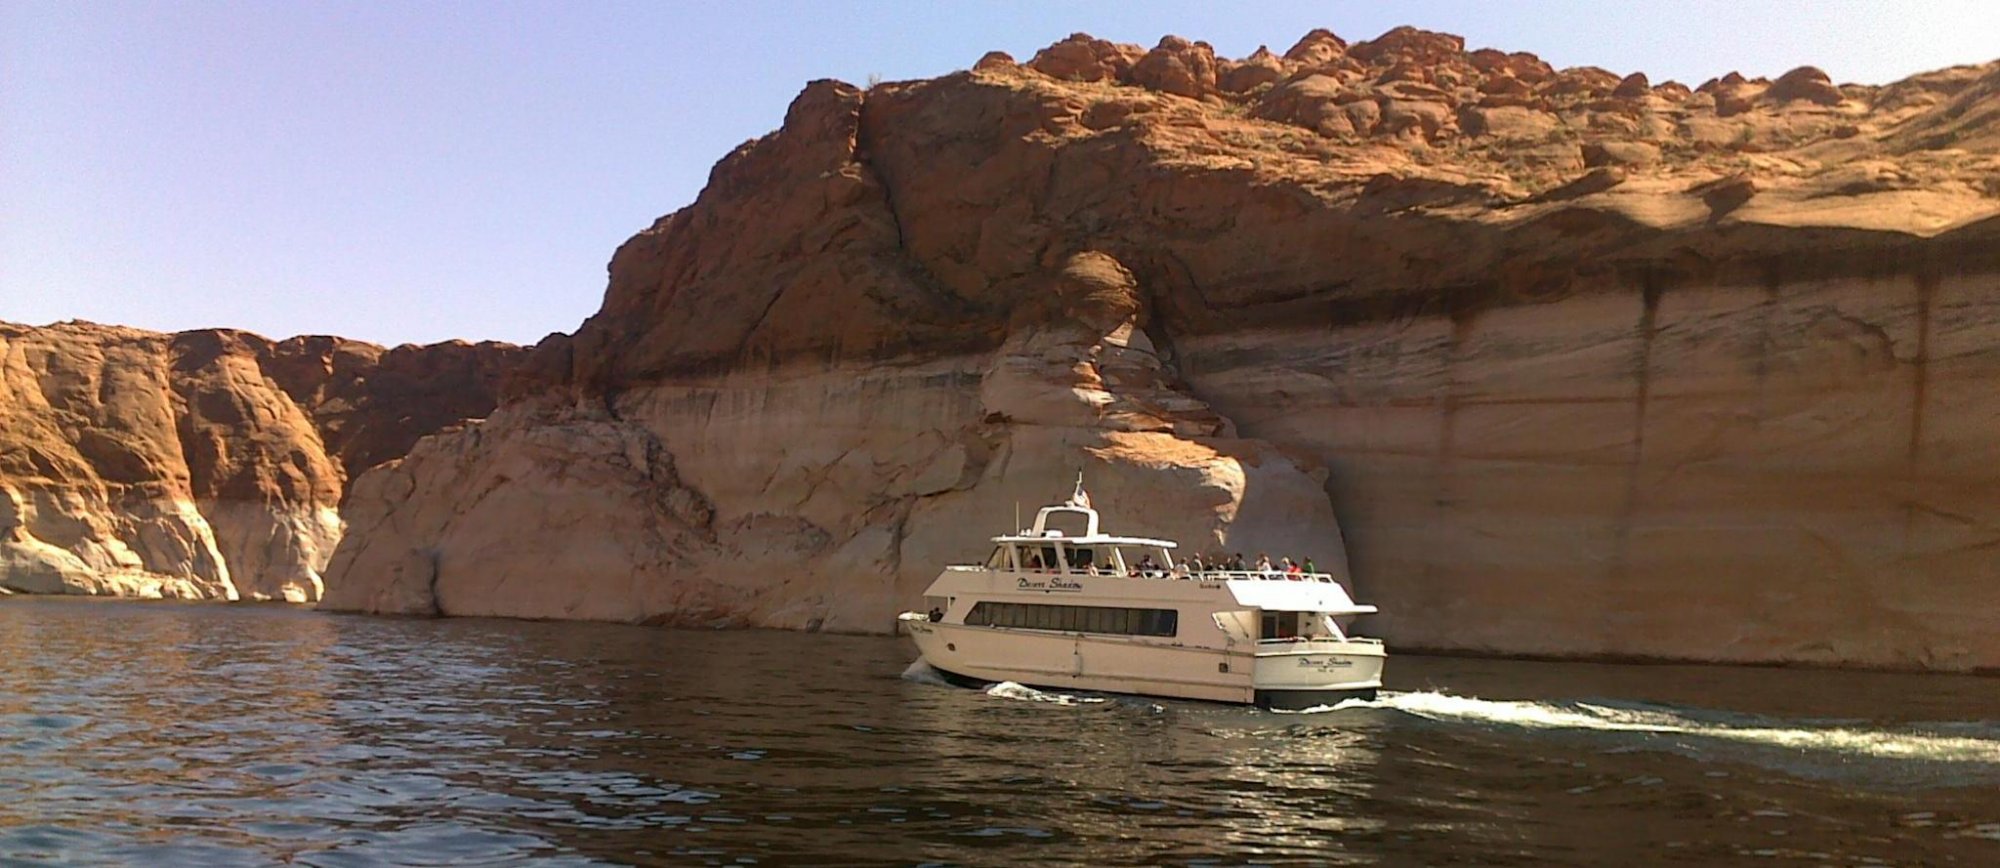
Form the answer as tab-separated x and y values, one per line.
205	464
1587	366
697	501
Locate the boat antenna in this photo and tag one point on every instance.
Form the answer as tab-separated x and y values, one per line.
1017	517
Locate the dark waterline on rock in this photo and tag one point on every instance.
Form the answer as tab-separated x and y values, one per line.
211	735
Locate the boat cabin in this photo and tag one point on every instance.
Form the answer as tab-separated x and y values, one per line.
1047	548
1264	626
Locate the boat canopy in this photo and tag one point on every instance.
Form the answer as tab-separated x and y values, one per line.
1285	596
1041	532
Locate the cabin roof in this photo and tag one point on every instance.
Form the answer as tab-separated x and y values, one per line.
1277	595
1094	539
1079	504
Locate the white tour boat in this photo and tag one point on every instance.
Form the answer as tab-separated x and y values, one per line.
1118	614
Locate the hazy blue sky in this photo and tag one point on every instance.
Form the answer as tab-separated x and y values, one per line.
414	171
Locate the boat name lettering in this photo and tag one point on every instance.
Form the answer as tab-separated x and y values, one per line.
1328	663
1054	584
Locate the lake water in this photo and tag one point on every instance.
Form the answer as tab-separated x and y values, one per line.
164	734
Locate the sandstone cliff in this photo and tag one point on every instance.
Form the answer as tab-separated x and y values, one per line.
1585	365
204	464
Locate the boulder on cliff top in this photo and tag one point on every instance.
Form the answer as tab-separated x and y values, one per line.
995	60
1805	83
1410	44
1259	69
1316	48
1082	57
1632	86
1178	67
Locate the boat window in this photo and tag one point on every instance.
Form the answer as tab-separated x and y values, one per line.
1111	620
1280	625
1080	559
1039	559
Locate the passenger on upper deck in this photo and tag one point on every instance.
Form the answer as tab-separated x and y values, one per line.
1263	563
1236	563
1195	563
1080	560
1309	568
1146	566
1291	570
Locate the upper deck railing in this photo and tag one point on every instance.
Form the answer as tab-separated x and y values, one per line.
1179	573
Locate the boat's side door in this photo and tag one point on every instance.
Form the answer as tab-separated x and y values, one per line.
1239	645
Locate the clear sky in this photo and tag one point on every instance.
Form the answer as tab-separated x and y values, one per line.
416	171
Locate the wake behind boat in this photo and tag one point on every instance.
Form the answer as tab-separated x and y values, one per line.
1120	615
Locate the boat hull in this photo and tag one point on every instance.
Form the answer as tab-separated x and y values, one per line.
1073	661
1299	700
1279	700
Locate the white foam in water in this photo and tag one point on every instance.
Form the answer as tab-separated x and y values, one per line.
922	672
1343	705
1011	690
1741	729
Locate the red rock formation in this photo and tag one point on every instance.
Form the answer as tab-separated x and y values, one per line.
994	59
1258	70
204	464
1632	86
1588	367
1083	58
1178	67
1805	83
1411	45
1317	49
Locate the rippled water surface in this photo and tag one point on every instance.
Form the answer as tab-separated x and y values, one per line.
162	734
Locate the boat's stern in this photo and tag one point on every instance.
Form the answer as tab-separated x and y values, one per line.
1317	672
